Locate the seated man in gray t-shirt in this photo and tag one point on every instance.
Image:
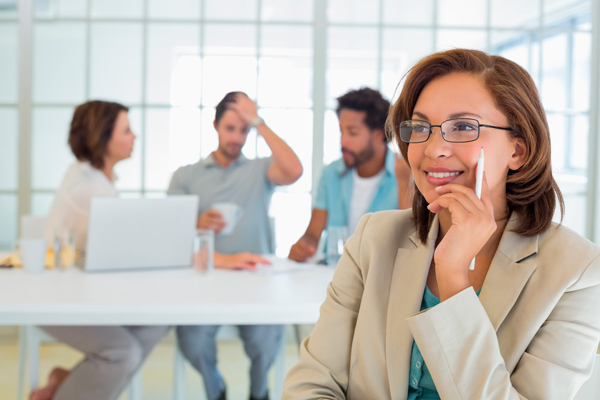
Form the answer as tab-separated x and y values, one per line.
227	176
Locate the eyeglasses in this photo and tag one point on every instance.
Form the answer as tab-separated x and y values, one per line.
459	130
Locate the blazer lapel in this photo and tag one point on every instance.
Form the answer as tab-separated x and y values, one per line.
406	294
509	272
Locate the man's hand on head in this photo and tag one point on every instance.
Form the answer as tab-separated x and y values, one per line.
211	219
245	107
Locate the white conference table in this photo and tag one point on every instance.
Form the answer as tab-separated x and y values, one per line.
285	293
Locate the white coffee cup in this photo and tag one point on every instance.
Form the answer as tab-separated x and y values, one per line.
231	214
33	254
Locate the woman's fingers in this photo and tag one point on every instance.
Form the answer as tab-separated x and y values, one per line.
466	209
451	200
462	194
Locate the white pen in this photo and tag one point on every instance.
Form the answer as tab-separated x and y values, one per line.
478	184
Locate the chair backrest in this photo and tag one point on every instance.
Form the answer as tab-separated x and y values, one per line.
32	227
591	388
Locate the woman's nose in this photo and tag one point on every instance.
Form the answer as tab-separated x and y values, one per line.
436	145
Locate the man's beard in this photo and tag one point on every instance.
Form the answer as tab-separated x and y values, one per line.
231	154
360	158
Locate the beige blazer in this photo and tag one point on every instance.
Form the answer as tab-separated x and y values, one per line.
532	333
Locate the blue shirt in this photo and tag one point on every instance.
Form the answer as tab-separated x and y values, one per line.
335	191
420	382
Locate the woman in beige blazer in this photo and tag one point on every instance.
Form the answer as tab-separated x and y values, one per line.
525	323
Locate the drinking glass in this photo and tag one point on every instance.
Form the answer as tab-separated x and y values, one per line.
204	245
336	237
64	248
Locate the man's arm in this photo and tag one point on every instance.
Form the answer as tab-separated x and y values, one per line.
406	189
286	167
306	246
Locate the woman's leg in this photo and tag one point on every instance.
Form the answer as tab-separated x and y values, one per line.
112	355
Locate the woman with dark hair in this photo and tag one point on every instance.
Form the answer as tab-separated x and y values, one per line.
100	137
405	316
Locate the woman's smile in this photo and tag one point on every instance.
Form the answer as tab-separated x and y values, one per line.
439	176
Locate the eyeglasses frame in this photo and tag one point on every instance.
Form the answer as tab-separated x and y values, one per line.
479	125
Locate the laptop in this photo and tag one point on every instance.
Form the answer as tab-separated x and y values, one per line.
132	234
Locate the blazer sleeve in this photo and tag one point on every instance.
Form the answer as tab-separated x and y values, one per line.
460	346
323	369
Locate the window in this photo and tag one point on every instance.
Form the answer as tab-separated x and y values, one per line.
171	61
9	123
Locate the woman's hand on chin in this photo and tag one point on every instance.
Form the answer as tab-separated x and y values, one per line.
471	224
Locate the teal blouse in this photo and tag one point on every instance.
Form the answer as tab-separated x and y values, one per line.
420	383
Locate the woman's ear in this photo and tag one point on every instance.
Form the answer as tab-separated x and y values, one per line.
517	159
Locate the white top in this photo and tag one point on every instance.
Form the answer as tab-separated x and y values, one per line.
72	202
363	193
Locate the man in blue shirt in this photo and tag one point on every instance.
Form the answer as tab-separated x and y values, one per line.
367	178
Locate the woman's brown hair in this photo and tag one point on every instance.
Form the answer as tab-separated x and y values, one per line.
531	191
91	128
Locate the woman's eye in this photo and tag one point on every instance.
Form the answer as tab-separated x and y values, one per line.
420	129
463	126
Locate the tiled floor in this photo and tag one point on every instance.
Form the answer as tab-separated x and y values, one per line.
157	371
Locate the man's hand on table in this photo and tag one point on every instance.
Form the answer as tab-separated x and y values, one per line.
302	250
239	261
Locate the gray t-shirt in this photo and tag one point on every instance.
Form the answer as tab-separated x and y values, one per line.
244	183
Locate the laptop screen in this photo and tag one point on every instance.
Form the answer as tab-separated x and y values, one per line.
127	234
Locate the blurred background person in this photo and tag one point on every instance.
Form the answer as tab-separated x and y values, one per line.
99	137
368	177
247	185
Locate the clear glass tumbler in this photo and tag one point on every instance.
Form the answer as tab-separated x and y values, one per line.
64	248
336	237
204	250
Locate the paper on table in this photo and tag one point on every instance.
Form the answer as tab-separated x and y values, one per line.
282	265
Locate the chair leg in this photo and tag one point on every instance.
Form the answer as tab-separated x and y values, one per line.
33	354
178	375
280	368
22	361
134	391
